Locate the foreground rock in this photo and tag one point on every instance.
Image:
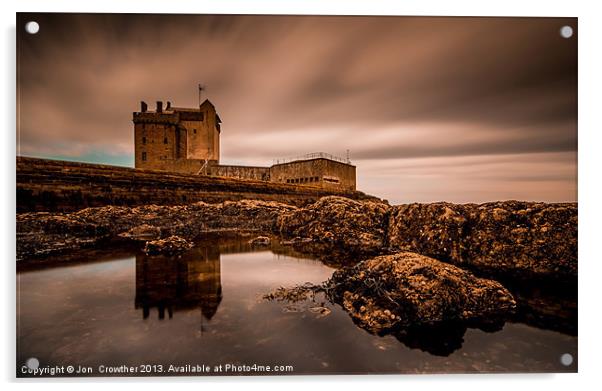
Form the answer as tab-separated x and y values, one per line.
260	241
407	289
338	227
424	303
519	238
142	232
169	246
41	234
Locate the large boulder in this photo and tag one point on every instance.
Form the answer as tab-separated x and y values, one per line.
338	226
406	290
519	238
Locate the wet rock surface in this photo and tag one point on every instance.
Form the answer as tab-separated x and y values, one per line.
408	289
337	227
171	245
520	238
260	241
523	239
142	232
424	303
42	233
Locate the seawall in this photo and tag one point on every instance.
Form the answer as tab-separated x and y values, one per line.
54	185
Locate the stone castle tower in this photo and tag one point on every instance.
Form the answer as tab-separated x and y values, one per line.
176	138
187	141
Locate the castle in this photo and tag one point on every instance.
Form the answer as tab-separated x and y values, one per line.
187	140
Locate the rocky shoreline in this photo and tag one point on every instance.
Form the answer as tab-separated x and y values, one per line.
401	268
519	238
512	238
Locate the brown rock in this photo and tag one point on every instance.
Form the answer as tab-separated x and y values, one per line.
338	226
260	241
142	232
168	246
520	238
42	233
408	290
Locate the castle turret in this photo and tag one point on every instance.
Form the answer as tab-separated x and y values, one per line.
176	138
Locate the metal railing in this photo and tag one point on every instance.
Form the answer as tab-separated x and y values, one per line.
313	155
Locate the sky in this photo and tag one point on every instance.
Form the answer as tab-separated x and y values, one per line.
430	108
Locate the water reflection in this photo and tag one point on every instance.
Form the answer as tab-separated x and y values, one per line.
208	304
174	284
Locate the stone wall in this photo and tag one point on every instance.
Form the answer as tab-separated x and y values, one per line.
158	143
181	166
51	185
202	131
240	172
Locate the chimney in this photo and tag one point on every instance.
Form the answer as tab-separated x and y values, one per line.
143	106
168	106
159	106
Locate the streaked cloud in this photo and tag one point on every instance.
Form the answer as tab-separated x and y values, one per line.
458	109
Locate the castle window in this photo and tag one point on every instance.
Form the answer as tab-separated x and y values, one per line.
165	140
143	156
144	140
194	131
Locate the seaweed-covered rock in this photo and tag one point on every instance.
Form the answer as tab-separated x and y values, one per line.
260	241
142	232
296	241
168	246
404	290
338	226
520	238
42	233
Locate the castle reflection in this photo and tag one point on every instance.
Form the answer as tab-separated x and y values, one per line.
173	284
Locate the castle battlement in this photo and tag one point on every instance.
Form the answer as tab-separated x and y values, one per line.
187	140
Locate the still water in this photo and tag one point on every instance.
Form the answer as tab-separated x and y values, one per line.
206	309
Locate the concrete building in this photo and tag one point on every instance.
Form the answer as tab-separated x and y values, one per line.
186	140
315	169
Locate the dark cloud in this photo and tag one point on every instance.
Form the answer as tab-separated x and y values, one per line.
390	89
